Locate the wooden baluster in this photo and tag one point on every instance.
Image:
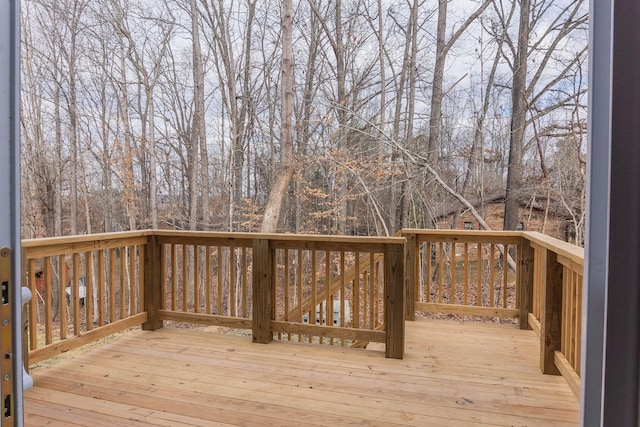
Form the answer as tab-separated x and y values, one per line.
220	296
185	276
174	277
373	284
112	285
465	297
245	284
492	275
412	276
142	278
132	280
343	296
524	282
207	267
428	279
440	271
232	282
76	293
452	268
505	275
123	277
479	269
101	287
62	299
48	299
33	305
328	301
300	290
196	278
355	289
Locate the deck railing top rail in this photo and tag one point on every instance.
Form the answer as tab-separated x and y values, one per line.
568	250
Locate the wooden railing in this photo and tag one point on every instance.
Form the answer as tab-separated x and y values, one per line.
320	289
556	315
516	275
276	286
463	272
323	289
205	278
84	288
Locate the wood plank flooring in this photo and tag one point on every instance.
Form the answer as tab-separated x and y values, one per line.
452	374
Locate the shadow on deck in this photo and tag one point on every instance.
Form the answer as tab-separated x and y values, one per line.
453	374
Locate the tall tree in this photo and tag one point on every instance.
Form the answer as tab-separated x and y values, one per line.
518	120
199	133
542	91
287	163
443	46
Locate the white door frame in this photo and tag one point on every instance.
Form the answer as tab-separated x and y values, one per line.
10	199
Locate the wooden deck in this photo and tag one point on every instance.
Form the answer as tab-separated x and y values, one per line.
452	374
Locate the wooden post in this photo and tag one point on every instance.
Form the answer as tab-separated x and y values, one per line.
525	282
394	301
412	279
262	292
152	283
550	312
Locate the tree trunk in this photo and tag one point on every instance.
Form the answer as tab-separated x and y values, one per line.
435	117
397	179
197	133
286	169
518	121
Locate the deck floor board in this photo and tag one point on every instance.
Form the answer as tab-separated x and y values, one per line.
453	374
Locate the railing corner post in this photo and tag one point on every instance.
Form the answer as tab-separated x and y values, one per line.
411	276
152	284
551	314
394	270
525	282
262	282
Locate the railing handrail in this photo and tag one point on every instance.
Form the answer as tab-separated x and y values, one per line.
282	237
571	251
451	232
65	240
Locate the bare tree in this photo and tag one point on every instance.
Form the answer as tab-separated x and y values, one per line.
525	94
443	46
287	166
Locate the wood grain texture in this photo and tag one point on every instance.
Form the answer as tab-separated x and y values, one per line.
467	310
59	347
525	283
551	314
394	301
568	373
453	374
151	284
262	291
411	276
